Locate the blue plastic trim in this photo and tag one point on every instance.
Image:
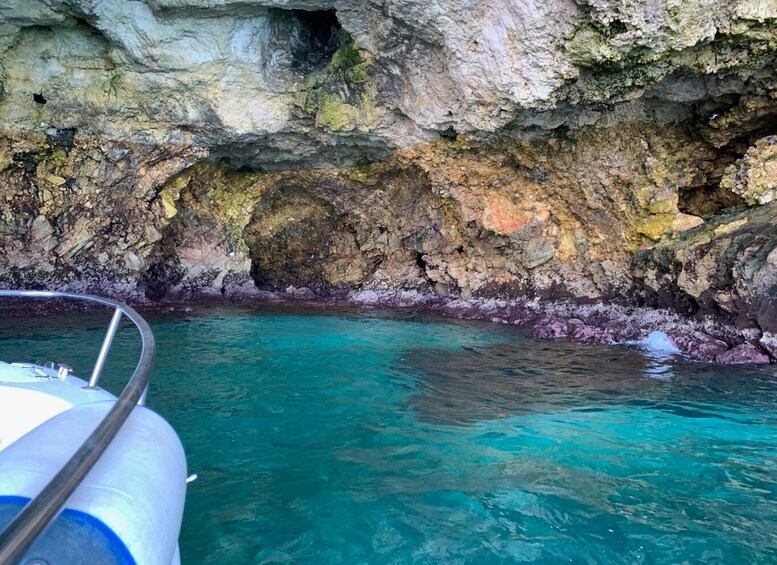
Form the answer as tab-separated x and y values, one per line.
77	519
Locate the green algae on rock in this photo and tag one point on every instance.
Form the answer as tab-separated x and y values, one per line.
342	96
589	151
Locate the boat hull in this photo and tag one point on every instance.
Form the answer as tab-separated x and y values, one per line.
136	490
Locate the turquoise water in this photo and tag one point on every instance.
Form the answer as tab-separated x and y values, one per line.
399	437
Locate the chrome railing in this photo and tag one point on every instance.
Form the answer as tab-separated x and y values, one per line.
25	528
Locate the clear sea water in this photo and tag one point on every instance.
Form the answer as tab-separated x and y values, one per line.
400	437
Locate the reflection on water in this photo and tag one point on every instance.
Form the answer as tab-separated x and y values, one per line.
524	377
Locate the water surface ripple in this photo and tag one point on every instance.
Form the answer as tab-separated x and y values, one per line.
397	437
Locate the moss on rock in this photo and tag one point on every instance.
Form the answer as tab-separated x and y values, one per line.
341	97
589	47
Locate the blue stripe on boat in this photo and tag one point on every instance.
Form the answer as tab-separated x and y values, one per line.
75	537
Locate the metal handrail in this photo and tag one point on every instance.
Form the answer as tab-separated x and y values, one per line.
25	528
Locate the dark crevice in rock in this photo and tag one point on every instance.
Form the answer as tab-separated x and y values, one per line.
38	98
61	138
449	134
160	277
420	262
617	27
708	198
710	109
315	38
730	131
26	161
426	280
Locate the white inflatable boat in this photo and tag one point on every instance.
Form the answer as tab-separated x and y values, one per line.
86	477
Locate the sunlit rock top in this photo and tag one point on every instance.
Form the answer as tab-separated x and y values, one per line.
276	82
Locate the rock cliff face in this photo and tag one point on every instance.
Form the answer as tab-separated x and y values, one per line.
466	152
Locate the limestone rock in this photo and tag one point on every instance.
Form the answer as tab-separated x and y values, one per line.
488	150
769	342
267	82
727	268
754	176
743	354
95	229
656	226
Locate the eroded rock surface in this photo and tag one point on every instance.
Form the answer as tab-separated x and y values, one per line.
552	218
275	83
727	268
754	176
590	151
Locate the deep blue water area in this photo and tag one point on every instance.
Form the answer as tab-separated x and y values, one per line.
367	436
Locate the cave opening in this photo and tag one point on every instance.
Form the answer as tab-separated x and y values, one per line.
38	98
317	35
289	238
708	197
